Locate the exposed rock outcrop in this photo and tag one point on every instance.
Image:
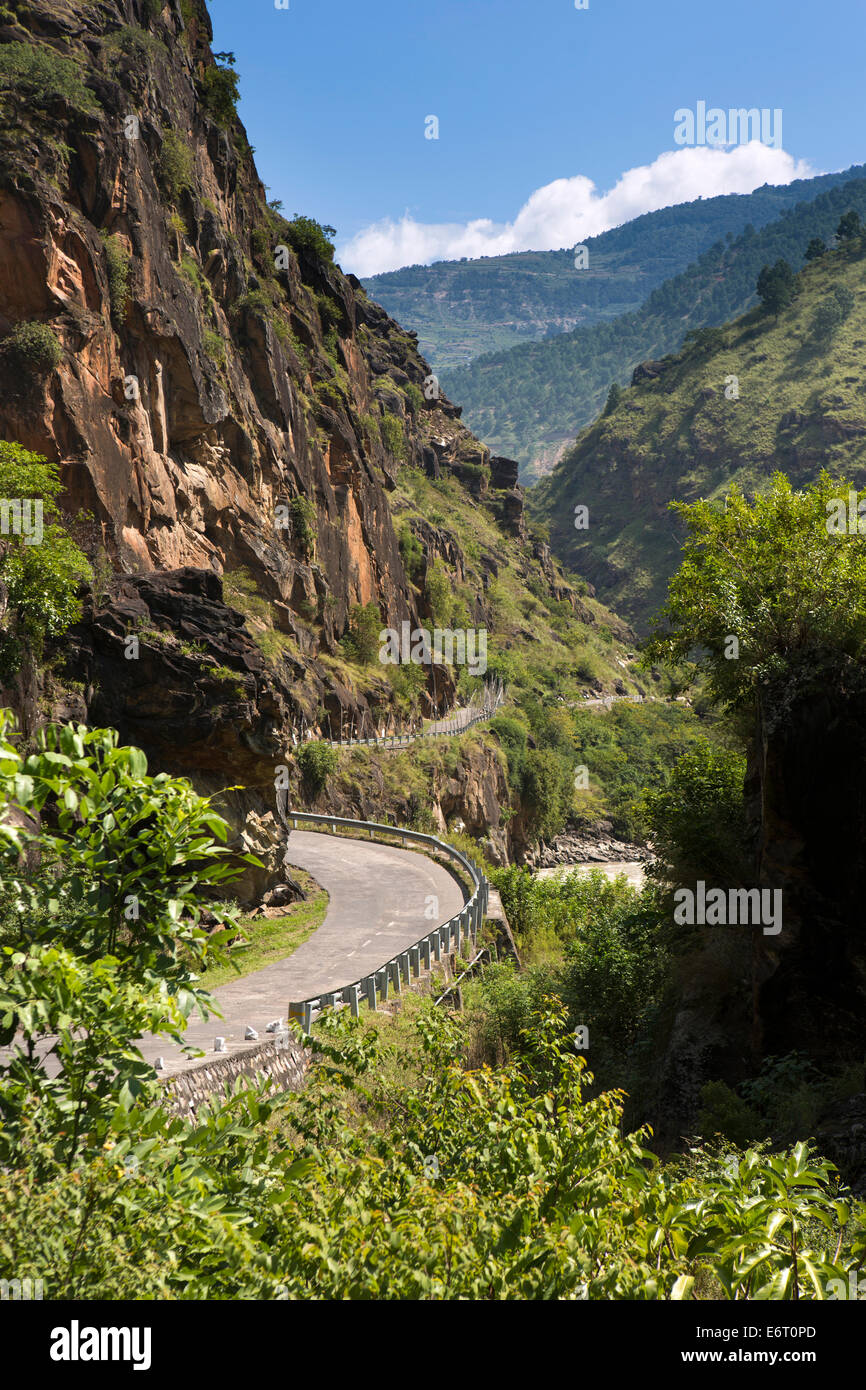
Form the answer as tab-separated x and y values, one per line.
226	402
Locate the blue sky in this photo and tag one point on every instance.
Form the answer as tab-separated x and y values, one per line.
528	92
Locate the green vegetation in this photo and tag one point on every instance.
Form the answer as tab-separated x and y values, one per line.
629	750
37	75
241	591
176	166
41	579
531	400
361	642
401	1170
317	762
393	435
136	43
309	238
219	92
119	264
304	524
254	302
32	348
776	287
462	308
438	593
768	394
214	345
771	575
265	940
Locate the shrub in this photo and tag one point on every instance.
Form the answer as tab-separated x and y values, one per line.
214	346
219	94
41	580
42	77
393	437
438	593
512	736
724	1112
119	263
254	302
411	551
361	642
176	166
547	792
260	243
303	514
178	225
192	272
370	425
317	761
310	238
407	682
32	347
135	43
415	398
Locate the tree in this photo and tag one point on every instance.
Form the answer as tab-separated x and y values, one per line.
220	93
125	856
362	639
40	565
817	247
698	821
772	600
310	238
614	396
776	286
850	226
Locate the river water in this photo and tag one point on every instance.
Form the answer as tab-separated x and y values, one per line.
635	872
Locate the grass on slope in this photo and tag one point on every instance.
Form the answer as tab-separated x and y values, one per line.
541	646
273	939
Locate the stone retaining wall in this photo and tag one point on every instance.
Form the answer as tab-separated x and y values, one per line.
284	1065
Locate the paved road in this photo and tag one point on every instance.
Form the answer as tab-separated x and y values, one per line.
378	899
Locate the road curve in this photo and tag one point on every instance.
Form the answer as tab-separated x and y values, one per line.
379	896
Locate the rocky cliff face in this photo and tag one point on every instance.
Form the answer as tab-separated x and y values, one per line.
225	401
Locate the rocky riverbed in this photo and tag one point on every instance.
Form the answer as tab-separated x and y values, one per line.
592	848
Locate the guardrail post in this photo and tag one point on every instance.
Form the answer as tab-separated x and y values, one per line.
424	953
354	1000
308	1016
394	967
436	941
382	977
405	967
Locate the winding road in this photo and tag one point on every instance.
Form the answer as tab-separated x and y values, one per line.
382	900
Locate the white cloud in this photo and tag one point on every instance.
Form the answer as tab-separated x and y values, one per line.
567	211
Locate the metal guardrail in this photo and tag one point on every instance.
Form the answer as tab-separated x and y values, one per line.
407	964
440	728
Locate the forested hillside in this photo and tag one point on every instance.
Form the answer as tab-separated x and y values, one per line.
529	401
462	308
682	432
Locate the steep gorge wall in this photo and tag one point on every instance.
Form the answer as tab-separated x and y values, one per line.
232	406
